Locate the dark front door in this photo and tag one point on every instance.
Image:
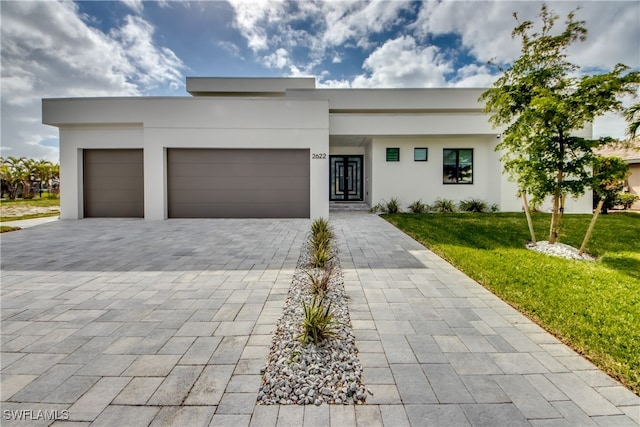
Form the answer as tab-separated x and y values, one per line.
346	178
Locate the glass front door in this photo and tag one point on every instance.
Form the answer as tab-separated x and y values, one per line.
346	178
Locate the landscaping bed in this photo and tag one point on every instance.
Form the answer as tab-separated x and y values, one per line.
300	371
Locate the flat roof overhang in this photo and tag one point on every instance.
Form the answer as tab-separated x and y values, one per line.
247	86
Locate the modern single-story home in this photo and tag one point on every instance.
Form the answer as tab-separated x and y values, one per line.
275	147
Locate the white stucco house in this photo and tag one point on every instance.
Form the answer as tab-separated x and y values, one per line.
275	147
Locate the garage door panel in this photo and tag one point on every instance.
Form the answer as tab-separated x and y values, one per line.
124	170
118	183
113	196
238	210
113	156
252	196
241	183
113	183
116	210
224	156
250	170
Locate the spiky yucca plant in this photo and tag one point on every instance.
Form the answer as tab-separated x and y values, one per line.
321	256
444	206
418	206
318	323
473	205
320	282
320	225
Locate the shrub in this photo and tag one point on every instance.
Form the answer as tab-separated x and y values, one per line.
444	205
321	240
321	256
320	225
626	200
495	208
473	205
418	207
318	323
390	207
377	209
393	206
320	282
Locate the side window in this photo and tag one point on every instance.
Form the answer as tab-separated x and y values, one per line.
420	154
393	154
457	166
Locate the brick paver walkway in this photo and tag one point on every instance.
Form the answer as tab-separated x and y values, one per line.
130	322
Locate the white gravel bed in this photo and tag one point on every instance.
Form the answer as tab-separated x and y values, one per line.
559	250
310	374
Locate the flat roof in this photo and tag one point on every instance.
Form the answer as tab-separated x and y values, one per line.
273	86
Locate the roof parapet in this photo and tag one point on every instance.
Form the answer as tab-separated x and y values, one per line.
247	86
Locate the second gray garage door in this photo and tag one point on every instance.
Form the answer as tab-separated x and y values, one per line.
236	183
113	183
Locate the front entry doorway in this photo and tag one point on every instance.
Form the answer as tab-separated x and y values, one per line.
346	178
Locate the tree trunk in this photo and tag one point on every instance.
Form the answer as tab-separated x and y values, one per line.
527	212
554	230
591	225
563	197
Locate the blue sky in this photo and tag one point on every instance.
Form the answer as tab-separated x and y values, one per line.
136	48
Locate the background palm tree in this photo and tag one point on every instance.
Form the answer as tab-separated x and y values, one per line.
632	115
9	176
43	172
20	175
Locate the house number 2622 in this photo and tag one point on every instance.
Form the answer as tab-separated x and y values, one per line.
318	156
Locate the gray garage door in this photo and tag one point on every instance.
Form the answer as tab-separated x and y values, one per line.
113	183
230	183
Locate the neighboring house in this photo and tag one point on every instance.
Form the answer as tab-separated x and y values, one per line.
631	155
275	147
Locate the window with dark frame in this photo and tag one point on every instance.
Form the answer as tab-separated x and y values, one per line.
393	154
457	166
420	154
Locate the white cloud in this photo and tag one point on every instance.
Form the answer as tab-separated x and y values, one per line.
485	28
49	50
268	25
358	20
135	5
614	35
153	65
252	16
473	75
403	63
230	47
278	59
334	84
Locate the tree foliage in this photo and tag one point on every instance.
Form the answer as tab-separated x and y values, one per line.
21	175
632	115
609	174
544	103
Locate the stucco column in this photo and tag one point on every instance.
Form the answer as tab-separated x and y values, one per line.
70	180
155	194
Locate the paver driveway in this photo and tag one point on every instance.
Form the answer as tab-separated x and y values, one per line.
131	322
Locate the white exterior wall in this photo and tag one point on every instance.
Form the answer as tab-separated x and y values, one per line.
72	141
185	123
409	180
298	119
411	124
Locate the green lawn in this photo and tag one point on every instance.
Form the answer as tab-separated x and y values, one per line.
13	210
592	306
